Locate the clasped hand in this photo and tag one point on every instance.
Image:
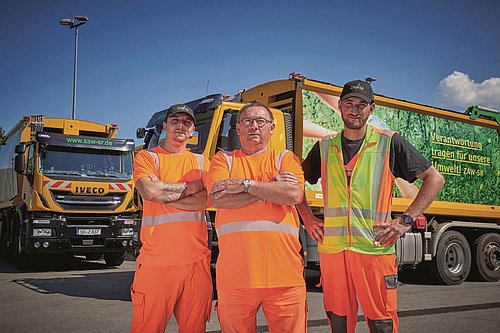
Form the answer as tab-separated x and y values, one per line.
227	186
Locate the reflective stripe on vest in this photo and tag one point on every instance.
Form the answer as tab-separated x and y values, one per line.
352	209
259	225
378	217
173	217
355	231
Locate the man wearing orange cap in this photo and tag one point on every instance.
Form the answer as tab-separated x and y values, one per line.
173	268
356	240
259	262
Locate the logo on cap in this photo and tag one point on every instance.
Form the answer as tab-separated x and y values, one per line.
183	108
357	87
180	108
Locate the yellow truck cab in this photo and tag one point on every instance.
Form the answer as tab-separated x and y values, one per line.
67	188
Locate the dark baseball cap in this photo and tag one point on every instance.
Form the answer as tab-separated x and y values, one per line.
179	108
358	88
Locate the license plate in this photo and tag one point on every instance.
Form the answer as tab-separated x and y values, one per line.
88	232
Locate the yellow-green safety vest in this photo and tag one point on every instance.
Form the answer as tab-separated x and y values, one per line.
352	209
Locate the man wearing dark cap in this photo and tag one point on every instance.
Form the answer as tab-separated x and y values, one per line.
356	238
173	268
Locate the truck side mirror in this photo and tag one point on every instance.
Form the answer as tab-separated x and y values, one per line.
20	148
140	133
19	163
19	159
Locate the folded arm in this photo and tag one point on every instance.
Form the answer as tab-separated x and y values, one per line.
197	201
230	193
152	189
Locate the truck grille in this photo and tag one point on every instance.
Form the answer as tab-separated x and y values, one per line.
70	201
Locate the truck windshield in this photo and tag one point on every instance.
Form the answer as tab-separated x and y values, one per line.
78	163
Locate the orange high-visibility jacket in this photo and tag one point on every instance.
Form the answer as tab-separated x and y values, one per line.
171	236
258	243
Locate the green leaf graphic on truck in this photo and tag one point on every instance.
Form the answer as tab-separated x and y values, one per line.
468	156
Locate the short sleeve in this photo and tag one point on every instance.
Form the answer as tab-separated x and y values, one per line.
217	171
205	170
406	161
291	163
144	165
312	165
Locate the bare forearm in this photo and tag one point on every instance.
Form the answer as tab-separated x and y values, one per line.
196	201
304	209
164	192
236	200
433	181
283	193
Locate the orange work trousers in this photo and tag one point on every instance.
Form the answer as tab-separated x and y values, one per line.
372	279
285	309
184	290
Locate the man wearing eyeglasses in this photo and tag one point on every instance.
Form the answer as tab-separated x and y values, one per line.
254	190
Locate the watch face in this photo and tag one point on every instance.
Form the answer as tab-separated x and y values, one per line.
407	219
246	184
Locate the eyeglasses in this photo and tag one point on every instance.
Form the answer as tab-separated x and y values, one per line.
261	122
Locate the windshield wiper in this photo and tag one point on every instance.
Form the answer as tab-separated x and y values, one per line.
103	174
61	172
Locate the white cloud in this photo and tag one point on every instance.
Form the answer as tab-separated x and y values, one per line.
458	90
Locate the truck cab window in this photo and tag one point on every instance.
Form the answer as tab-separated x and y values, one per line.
228	137
78	163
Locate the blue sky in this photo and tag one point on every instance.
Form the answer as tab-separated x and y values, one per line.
138	57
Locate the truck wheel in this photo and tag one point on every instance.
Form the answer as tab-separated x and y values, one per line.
453	259
114	258
486	260
20	258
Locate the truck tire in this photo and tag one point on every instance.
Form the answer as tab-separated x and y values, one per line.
114	258
486	260
453	259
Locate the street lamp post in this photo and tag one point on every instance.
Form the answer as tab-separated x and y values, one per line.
71	24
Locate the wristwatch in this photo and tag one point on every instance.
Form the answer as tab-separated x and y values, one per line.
407	220
246	184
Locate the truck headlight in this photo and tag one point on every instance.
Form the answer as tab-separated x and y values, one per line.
128	221
125	232
39	232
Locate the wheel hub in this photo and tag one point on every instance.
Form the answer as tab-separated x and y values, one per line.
455	258
492	251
